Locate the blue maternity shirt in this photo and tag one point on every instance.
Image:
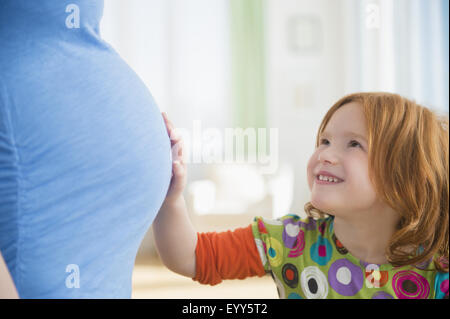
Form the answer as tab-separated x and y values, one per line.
85	159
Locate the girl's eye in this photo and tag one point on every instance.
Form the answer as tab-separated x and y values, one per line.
351	143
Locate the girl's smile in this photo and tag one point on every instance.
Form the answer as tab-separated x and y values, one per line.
325	182
326	178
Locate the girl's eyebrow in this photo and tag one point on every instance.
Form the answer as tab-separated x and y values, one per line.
345	133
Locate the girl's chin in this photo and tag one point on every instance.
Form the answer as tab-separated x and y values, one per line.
323	205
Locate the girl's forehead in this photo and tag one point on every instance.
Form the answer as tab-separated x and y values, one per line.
349	118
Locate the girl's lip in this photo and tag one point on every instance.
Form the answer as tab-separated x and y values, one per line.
318	181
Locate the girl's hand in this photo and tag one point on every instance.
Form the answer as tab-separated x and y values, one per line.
176	252
179	172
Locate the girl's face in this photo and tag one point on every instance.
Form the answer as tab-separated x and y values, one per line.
343	155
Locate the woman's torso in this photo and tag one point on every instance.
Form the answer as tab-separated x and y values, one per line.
84	154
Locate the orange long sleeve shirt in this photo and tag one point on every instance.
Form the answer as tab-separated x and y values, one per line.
227	255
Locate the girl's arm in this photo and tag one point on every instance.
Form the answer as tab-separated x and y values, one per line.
227	255
7	288
175	238
174	234
205	257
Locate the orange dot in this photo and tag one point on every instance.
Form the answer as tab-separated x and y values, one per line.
289	274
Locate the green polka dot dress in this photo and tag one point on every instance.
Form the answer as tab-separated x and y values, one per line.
306	260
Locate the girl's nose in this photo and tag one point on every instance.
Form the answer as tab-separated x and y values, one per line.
328	156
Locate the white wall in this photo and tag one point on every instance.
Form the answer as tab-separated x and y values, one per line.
361	45
302	86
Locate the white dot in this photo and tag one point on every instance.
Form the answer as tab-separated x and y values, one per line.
344	276
292	230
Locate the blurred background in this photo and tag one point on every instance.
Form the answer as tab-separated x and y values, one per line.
218	64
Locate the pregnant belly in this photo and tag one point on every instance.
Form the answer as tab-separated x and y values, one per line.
94	167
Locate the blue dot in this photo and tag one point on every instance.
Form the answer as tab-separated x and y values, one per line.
293	295
439	279
314	252
272	252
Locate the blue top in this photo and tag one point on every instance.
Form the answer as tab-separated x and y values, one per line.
85	159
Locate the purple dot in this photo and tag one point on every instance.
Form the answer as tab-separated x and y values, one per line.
356	279
382	295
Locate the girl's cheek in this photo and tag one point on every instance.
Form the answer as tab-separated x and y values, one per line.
313	160
310	169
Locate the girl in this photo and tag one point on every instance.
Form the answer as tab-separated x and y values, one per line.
377	224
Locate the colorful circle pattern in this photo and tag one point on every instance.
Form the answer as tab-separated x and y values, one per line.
290	233
441	285
290	275
295	220
408	284
275	252
339	247
299	246
382	295
294	295
321	251
314	283
345	277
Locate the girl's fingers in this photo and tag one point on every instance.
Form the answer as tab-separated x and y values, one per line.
175	139
169	125
177	151
171	131
166	120
174	136
165	117
179	170
178	179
